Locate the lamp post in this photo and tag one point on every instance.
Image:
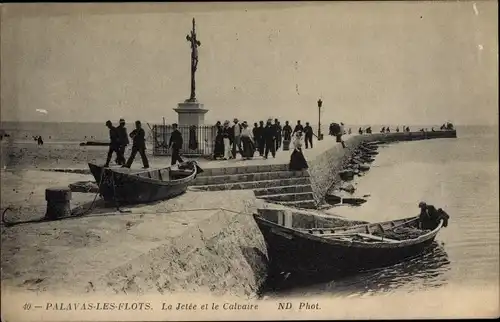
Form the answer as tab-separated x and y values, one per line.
320	103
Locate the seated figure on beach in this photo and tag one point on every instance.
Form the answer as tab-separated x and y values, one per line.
382	130
297	160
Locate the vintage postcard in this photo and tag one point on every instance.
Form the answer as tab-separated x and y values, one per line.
249	161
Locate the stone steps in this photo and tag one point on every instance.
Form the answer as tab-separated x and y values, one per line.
243	170
301	196
297	188
246	177
251	185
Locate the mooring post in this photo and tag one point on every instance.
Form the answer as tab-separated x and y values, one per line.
58	202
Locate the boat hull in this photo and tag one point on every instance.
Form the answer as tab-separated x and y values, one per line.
129	188
297	252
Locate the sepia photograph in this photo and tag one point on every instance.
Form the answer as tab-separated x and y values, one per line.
249	160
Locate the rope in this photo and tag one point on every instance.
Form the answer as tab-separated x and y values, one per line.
95	197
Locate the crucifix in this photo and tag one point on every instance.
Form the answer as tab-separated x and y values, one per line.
194	60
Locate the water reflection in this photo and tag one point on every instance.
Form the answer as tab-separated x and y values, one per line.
425	271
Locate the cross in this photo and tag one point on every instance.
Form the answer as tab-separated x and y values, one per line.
194	60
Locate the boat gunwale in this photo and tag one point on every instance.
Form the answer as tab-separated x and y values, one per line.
351	243
136	177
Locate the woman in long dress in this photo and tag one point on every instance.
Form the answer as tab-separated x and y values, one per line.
248	142
219	142
297	160
225	139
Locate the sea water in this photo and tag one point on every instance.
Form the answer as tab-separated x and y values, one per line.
459	175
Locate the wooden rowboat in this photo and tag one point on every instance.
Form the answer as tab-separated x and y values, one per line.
126	186
343	249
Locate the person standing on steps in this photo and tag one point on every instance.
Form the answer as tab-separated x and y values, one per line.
237	137
176	144
255	133
123	142
270	137
277	125
308	135
298	127
287	132
114	143
261	139
138	145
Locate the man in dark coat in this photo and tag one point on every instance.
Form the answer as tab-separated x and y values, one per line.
308	135
138	145
298	127
114	143
269	138
176	144
278	128
287	132
255	132
123	141
262	139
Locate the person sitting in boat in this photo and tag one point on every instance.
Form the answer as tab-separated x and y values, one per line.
297	160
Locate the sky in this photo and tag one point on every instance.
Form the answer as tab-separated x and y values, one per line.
369	62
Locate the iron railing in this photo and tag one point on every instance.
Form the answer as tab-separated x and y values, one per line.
197	140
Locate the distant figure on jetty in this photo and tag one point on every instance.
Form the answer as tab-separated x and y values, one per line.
236	137
269	137
298	127
219	142
279	136
114	142
382	130
360	131
248	142
397	129
176	144
388	130
308	134
138	145
123	142
39	140
297	160
369	130
349	131
226	139
407	129
261	140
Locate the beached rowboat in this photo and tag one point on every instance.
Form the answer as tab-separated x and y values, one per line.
126	186
343	249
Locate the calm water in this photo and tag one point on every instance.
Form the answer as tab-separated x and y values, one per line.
458	175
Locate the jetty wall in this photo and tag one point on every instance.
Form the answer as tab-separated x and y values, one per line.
325	167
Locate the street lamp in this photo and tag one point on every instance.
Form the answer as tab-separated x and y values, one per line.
320	103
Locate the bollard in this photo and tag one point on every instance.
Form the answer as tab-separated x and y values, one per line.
58	202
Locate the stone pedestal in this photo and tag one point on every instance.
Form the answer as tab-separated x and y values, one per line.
191	113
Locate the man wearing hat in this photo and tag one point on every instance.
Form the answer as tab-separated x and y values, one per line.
236	137
123	142
270	139
113	142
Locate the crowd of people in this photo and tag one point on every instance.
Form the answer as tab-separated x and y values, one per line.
262	138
